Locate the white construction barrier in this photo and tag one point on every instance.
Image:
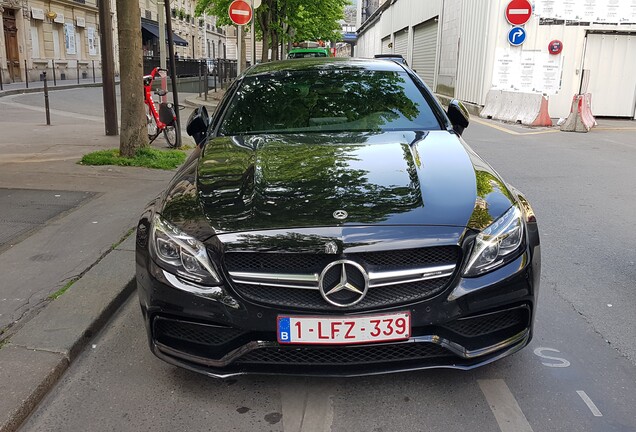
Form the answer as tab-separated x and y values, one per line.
580	118
530	109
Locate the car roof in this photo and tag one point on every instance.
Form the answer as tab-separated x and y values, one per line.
324	64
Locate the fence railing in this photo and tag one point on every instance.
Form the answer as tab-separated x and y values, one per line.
31	74
66	72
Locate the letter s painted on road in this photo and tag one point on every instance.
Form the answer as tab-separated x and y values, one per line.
562	362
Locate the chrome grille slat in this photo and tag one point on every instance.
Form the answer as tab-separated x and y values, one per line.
395	277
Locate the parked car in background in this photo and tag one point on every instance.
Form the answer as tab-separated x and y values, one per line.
332	221
296	53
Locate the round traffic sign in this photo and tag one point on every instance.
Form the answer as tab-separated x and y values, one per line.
518	12
516	36
240	12
555	47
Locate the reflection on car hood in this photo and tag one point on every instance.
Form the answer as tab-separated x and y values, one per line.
299	180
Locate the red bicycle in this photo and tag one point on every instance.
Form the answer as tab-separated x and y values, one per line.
164	119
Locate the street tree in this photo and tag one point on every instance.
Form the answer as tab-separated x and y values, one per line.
281	21
133	134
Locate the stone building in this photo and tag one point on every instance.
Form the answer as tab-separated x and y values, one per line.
64	36
40	34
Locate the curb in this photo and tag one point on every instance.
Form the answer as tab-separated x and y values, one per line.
195	103
37	355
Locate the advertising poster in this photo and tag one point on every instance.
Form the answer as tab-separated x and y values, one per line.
92	48
69	38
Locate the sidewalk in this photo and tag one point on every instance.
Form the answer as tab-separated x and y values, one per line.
84	252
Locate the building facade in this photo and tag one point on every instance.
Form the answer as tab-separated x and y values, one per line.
461	49
63	37
40	35
201	36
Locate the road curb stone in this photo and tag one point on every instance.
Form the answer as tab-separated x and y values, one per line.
38	354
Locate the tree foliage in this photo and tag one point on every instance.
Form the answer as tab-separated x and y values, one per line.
282	21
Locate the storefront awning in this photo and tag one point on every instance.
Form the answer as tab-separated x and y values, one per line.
152	28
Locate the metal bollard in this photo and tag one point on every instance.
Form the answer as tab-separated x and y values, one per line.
54	79
199	78
26	74
205	86
94	72
46	101
78	72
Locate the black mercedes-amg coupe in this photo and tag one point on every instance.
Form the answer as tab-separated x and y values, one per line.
332	221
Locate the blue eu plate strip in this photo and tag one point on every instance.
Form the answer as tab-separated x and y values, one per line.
284	335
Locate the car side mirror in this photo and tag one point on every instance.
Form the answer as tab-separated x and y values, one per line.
458	115
198	123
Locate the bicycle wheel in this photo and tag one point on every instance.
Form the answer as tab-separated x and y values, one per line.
170	134
151	125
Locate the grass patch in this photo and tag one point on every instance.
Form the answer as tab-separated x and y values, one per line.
128	233
57	294
145	157
3	343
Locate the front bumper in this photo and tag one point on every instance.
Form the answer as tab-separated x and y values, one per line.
474	322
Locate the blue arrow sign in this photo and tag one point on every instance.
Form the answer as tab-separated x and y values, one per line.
516	36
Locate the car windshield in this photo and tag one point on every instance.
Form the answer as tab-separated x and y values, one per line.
328	101
302	54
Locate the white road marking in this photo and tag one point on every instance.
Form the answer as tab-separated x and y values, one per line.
519	12
504	406
562	362
240	12
589	403
306	408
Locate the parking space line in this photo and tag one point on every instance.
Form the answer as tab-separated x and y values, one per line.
511	132
306	408
589	403
504	406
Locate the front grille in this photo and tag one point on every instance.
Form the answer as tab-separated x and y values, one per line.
334	356
314	263
384	296
311	299
168	331
486	324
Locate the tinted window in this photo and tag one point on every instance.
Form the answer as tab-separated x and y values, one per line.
306	54
328	101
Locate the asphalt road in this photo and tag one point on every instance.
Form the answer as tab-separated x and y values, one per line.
578	374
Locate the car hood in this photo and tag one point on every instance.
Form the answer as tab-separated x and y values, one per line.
263	182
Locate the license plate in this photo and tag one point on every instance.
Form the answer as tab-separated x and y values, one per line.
344	330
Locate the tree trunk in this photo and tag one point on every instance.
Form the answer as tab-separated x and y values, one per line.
133	134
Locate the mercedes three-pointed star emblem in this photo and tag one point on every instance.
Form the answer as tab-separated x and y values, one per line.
351	276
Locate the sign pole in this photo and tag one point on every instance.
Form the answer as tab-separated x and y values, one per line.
253	31
239	39
173	73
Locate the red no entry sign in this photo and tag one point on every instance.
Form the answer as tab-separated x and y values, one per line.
240	12
518	12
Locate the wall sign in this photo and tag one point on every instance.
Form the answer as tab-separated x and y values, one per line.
516	36
555	47
518	12
37	14
59	19
80	22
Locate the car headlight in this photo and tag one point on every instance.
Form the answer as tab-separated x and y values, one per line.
497	245
181	254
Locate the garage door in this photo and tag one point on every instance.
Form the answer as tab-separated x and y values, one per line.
425	51
611	55
385	45
401	42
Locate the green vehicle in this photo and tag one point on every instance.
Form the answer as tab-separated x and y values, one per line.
296	53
